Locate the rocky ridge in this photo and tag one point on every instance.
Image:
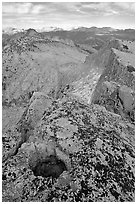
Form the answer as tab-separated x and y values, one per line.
111	72
62	146
32	63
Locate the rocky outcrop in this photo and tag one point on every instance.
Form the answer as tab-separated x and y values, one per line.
31	32
29	119
127	97
39	102
115	70
108	92
93	148
109	65
118	99
116	77
36	64
62	148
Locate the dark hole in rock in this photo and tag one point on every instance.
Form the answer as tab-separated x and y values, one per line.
130	68
125	47
51	167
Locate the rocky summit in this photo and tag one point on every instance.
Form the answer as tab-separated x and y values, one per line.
68	117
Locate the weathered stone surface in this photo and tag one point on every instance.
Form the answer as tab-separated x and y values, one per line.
38	104
32	63
109	87
102	169
127	97
69	151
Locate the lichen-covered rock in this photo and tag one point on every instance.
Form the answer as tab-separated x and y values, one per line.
109	87
101	165
39	102
60	149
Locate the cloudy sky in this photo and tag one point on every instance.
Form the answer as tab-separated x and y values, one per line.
68	14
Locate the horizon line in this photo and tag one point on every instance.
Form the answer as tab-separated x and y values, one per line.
69	28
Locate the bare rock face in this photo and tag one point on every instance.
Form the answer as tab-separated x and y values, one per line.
109	87
116	98
116	83
127	97
109	64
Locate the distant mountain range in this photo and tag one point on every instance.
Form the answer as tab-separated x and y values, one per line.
94	29
10	30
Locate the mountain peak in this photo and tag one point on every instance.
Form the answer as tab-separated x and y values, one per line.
31	32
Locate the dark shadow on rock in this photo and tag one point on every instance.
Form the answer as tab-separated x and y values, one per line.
51	167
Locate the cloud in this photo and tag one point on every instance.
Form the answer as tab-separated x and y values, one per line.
36	9
16	8
107	8
98	8
124	8
67	13
130	6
